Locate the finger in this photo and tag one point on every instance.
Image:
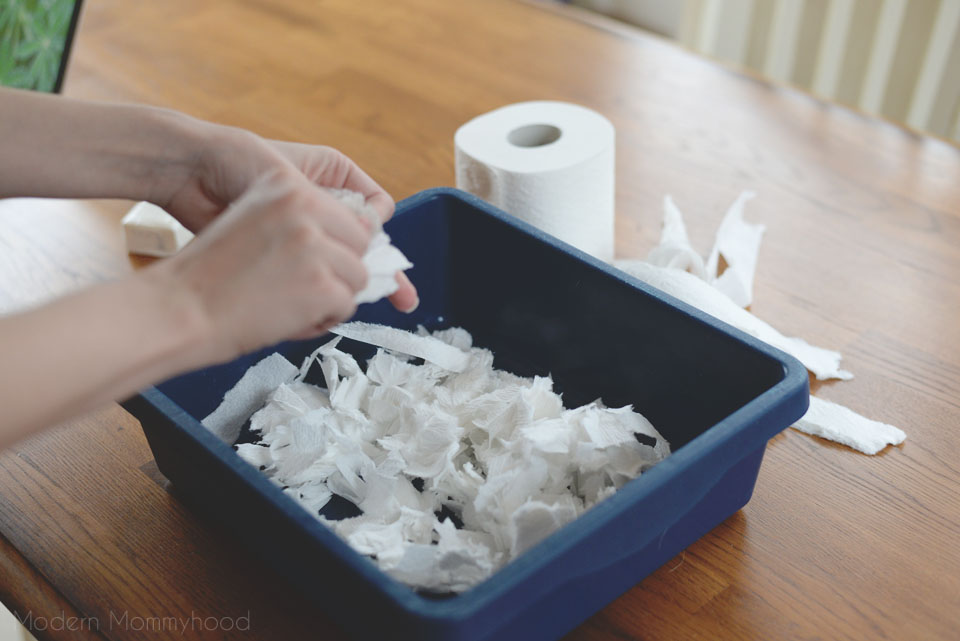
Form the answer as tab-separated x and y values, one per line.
346	265
405	298
383	203
339	171
337	303
344	304
315	331
342	224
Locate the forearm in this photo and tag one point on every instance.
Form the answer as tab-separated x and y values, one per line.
57	147
98	345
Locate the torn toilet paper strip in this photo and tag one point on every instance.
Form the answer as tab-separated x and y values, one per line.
674	267
838	423
738	242
382	260
674	250
249	395
824	363
426	347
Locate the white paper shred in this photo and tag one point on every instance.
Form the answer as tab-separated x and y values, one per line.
674	250
738	242
676	268
824	363
248	395
428	348
417	447
381	259
838	423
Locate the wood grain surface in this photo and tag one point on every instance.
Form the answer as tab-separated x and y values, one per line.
862	254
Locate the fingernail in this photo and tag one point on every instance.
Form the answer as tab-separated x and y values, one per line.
413	307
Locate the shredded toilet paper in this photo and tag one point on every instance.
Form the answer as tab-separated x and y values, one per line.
455	466
674	250
675	267
738	242
381	259
428	348
249	394
824	363
837	423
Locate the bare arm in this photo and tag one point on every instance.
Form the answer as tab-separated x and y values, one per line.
281	262
275	258
58	147
91	347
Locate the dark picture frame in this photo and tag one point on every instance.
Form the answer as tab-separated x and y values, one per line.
68	46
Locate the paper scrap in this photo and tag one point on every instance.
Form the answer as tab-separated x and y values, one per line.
843	425
151	231
675	267
674	250
738	242
824	363
382	260
426	347
455	470
248	395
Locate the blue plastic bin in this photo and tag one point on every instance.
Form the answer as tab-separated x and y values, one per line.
542	306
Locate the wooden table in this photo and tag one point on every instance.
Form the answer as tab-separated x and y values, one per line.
861	254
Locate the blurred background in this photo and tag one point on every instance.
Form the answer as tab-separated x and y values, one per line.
899	59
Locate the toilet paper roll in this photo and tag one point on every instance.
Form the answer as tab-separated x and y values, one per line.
548	163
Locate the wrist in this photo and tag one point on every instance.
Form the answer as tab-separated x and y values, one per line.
178	319
178	142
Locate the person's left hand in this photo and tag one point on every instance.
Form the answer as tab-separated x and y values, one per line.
230	160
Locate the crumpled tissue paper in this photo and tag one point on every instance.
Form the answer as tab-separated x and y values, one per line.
381	259
456	467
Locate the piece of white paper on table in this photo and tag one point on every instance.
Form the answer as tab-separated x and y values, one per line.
151	231
674	250
673	267
738	242
824	363
843	425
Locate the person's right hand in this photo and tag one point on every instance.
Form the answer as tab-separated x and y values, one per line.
283	261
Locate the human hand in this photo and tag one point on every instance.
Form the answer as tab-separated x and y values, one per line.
230	160
283	261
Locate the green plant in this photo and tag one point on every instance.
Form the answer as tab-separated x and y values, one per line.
32	36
